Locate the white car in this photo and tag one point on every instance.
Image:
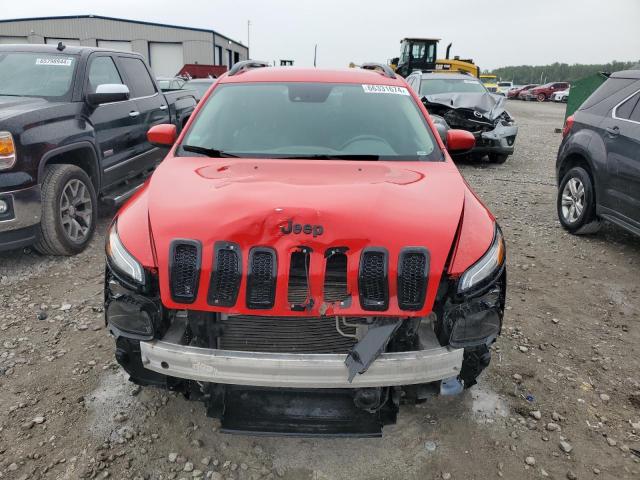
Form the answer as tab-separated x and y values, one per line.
504	87
560	96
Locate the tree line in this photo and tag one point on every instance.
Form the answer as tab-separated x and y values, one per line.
557	72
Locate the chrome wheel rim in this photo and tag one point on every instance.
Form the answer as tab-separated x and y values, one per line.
573	198
76	210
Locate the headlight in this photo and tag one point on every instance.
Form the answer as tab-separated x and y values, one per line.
7	151
120	259
485	268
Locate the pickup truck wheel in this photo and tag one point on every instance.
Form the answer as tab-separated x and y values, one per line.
541	97
576	203
69	211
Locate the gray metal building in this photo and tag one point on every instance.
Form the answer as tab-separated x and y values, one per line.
166	47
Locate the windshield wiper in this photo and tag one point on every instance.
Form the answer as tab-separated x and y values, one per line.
362	157
209	152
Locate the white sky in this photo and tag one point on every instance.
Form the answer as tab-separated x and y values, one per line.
493	33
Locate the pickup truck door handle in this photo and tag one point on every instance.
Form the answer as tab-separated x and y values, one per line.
613	131
134	114
163	107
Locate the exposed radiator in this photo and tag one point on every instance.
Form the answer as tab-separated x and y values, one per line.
252	333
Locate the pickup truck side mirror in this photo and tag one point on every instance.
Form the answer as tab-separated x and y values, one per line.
163	135
460	140
107	93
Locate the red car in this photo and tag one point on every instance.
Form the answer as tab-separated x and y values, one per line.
515	92
306	255
544	92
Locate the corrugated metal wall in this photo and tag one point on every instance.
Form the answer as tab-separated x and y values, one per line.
198	46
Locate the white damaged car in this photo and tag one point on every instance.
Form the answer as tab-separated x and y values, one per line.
460	101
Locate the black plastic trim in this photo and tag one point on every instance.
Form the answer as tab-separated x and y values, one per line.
273	280
172	249
423	293
212	297
365	303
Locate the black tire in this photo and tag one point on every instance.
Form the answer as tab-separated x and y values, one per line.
474	361
53	238
498	158
586	221
541	97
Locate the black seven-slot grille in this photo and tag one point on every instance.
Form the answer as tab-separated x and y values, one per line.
184	270
252	333
413	272
225	275
262	269
261	278
373	285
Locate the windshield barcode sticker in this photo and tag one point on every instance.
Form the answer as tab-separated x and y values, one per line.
385	89
63	61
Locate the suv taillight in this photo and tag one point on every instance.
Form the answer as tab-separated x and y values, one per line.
568	123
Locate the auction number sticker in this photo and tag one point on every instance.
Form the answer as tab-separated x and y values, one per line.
59	61
385	89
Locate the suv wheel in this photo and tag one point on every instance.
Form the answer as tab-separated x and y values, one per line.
541	97
498	158
576	203
69	211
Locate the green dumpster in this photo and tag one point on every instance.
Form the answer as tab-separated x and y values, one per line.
581	89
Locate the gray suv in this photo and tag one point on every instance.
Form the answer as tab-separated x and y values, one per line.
598	165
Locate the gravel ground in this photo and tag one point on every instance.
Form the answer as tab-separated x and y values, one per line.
561	398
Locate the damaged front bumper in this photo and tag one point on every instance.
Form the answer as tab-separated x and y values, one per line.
269	375
499	141
290	370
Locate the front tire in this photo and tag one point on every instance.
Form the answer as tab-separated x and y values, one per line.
69	211
576	204
498	158
541	97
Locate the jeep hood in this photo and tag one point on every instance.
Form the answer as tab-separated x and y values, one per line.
392	205
488	105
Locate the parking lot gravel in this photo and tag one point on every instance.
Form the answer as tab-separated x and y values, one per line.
561	398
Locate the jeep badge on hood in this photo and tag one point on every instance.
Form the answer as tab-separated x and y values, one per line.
298	228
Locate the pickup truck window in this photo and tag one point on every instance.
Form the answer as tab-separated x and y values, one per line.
102	71
313	120
138	78
43	75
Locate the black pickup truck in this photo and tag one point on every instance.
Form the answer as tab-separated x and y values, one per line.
73	124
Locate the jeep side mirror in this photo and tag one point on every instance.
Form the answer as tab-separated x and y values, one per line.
108	93
460	140
163	135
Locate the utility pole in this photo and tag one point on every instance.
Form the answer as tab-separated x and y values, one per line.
315	54
248	33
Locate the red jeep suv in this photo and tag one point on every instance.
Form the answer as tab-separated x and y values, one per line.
306	256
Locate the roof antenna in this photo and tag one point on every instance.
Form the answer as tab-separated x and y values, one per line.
61	46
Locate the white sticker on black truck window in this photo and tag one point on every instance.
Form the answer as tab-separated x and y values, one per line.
385	89
59	61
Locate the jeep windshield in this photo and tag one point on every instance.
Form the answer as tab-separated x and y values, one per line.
317	121
437	86
26	74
